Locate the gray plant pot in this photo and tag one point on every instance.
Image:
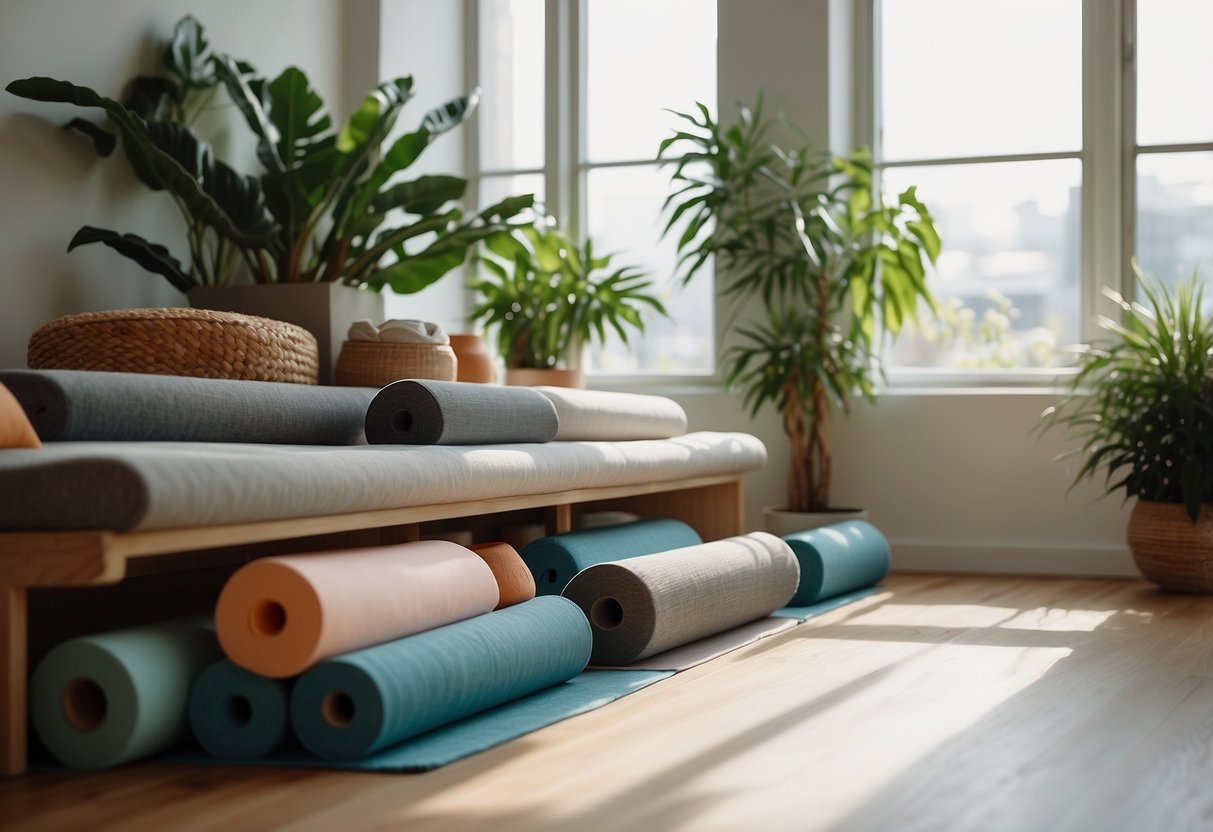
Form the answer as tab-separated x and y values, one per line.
324	309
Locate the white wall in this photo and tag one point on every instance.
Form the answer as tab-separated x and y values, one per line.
51	180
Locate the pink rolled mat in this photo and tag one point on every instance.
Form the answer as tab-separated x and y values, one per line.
279	616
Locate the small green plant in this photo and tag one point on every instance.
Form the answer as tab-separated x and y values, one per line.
546	298
1142	402
834	264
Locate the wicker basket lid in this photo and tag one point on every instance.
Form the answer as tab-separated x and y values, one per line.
177	341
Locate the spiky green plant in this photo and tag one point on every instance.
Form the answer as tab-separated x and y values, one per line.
1142	403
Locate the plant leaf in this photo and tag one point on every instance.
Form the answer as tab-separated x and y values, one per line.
155	258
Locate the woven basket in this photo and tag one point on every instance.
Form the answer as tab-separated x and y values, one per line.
1169	549
177	342
378	364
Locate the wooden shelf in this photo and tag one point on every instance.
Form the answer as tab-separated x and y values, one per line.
713	506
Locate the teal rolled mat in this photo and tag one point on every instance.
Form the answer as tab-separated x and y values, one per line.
351	706
555	560
238	715
837	559
106	699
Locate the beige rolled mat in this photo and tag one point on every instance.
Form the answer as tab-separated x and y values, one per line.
603	415
278	616
649	604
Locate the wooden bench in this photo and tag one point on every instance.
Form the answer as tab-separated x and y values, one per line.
35	560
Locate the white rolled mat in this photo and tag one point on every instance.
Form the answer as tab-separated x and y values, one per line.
653	603
604	415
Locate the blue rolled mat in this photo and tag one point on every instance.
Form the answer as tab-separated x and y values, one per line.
838	558
238	715
555	560
105	699
356	704
590	690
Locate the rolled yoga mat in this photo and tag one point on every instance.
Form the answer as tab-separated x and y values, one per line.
837	559
650	604
359	703
278	616
602	415
425	412
109	698
79	405
554	560
238	715
514	581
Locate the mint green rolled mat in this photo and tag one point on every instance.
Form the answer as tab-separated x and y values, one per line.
554	560
110	698
237	715
837	559
353	705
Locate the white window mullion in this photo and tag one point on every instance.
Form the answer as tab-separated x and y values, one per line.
1107	206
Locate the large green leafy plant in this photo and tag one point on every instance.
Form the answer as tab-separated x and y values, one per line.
343	212
1142	401
833	266
224	211
545	297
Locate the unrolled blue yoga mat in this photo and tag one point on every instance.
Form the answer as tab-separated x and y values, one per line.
238	715
837	559
353	705
477	733
555	560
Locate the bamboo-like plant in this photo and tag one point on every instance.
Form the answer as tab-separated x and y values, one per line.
1142	401
836	266
224	211
546	297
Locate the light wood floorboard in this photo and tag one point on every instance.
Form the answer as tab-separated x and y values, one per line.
941	703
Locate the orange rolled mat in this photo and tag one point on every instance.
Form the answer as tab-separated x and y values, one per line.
515	583
278	616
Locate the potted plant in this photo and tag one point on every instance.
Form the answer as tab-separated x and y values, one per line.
330	214
1142	405
546	298
832	266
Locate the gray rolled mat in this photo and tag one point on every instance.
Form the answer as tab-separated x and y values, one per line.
79	405
106	699
353	705
646	605
425	412
838	558
238	715
554	560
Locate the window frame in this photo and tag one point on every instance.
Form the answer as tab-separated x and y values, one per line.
566	164
1108	174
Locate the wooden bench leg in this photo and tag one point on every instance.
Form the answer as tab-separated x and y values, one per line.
13	659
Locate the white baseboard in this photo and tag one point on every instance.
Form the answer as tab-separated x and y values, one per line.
917	555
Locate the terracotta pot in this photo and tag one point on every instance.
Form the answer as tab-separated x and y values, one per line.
1170	549
525	377
475	362
779	521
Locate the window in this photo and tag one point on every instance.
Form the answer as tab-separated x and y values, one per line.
577	119
1173	149
993	140
1025	125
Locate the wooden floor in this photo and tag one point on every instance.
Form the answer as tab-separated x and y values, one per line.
968	703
